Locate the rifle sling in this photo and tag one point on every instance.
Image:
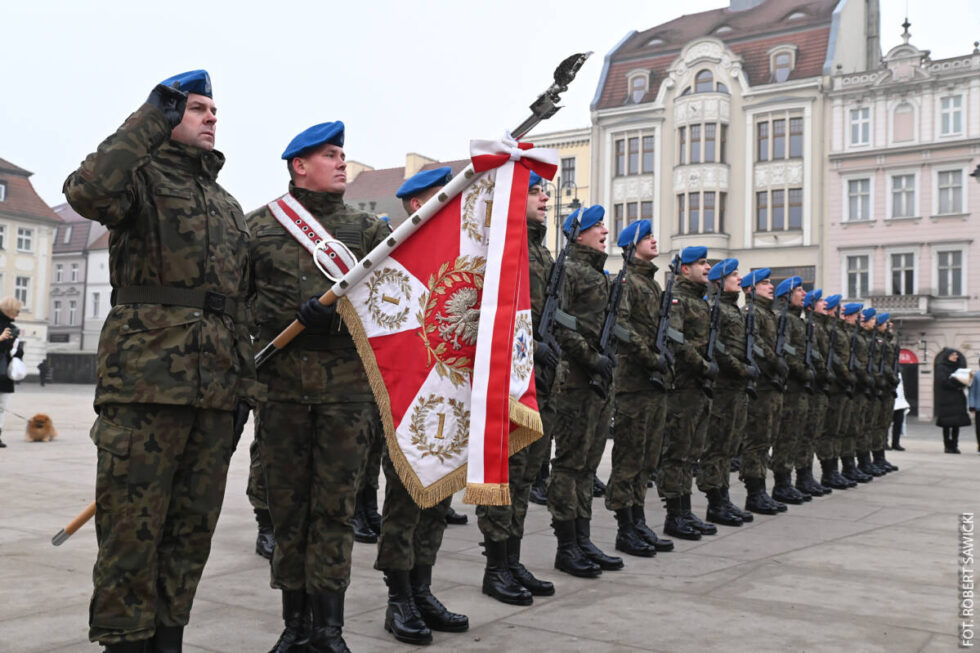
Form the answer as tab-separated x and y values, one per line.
566	320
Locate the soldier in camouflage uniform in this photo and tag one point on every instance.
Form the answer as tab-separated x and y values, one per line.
265	541
812	427
790	293
857	364
688	407
887	383
410	535
828	440
868	374
729	404
505	578
642	382
764	410
175	366
583	417
320	418
367	519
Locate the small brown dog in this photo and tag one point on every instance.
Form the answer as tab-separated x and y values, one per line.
40	429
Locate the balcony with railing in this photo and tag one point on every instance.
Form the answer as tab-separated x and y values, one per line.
910	306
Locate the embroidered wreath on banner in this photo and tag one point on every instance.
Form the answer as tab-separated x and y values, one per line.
523	362
470	224
396	282
450	316
439	445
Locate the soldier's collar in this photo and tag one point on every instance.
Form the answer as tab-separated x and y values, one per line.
593	257
642	267
316	201
536	231
730	296
765	302
191	159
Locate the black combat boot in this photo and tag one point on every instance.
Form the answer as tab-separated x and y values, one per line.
361	523
735	464
757	499
539	491
783	491
806	484
694	521
142	646
850	471
167	639
498	581
865	465
454	518
402	617
3	445
744	515
591	551
598	487
830	477
660	544
520	573
627	539
718	512
569	558
295	616
265	541
434	613
676	524
326	635
880	460
370	503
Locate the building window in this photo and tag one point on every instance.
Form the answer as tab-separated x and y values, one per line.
950	186
903	196
96	301
723	144
620	157
903	273
56	313
638	87
721	88
647	155
951	115
782	66
860	126
857	276
704	212
903	123
779	209
21	287
795	213
634	156
682	139
72	309
695	156
694	213
708	213
779	139
67	237
762	131
795	138
568	170
74	271
3	192
949	273
704	82
710	130
762	211
646	210
25	239
618	224
681	204
858	200
3	236
59	273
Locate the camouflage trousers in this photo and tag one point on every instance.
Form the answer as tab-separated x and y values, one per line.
811	430
255	490
581	430
763	415
726	424
314	458
499	523
159	485
686	427
372	467
410	535
886	408
854	425
828	443
796	407
637	445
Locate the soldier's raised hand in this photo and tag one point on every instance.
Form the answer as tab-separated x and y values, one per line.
170	100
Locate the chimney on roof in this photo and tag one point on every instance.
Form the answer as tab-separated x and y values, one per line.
414	163
743	5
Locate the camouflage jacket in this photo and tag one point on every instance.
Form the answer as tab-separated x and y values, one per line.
584	297
693	316
319	366
821	337
636	356
732	364
796	338
888	368
765	338
540	265
171	225
842	353
818	348
861	345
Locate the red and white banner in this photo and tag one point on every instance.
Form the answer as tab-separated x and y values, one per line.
443	325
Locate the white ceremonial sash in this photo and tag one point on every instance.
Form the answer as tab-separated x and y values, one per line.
332	257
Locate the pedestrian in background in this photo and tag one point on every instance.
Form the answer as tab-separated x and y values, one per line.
9	310
949	398
42	370
902	407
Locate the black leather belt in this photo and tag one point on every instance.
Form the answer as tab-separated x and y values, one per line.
206	300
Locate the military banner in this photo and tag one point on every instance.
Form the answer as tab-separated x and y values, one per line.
444	329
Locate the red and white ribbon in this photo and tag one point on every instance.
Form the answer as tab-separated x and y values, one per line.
493	154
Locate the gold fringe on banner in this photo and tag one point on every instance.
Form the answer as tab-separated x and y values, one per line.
487	494
530	425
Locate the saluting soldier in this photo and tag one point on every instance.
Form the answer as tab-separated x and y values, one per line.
642	383
320	417
789	296
583	417
812	425
688	407
505	578
765	409
175	367
729	405
827	444
411	536
854	424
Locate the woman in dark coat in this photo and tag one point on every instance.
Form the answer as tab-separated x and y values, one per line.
949	398
9	310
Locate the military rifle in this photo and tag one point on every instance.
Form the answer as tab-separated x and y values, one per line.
811	372
779	379
660	346
708	385
552	301
750	388
607	346
869	389
852	362
829	367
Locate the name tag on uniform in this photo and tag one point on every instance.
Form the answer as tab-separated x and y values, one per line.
566	320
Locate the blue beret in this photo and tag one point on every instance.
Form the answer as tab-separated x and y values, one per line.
421	181
589	217
636	231
193	81
867	314
852	308
833	301
722	269
788	285
883	317
533	180
812	297
693	254
325	132
755	276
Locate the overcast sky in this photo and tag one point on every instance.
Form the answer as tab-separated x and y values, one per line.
411	75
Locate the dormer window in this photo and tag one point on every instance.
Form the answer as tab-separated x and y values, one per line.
796	15
782	61
655	41
3	192
704	82
638	83
724	29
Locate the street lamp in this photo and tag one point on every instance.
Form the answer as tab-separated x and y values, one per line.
554	189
